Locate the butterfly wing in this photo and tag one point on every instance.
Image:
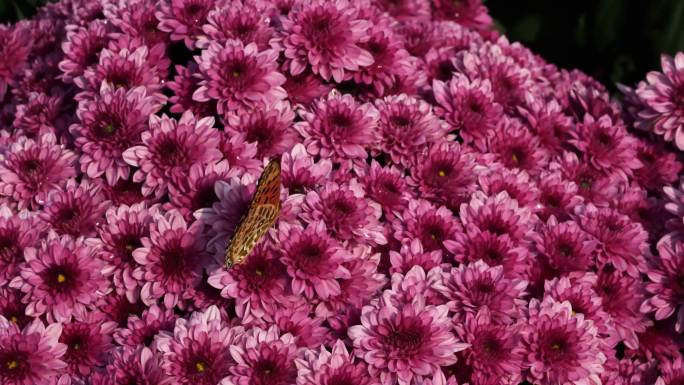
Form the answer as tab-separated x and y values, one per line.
262	214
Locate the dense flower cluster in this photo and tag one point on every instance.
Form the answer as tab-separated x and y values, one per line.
455	210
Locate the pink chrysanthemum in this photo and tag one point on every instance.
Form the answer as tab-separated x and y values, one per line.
331	367
347	213
562	347
606	145
131	365
406	126
390	59
143	330
108	125
305	88
31	355
171	258
258	285
326	36
594	186
241	155
547	121
622	296
308	330
338	126
565	246
671	371
247	22
516	147
386	186
196	190
12	308
468	106
183	86
660	167
495	354
239	76
406	343
515	182
412	254
313	259
475	286
263	357
271	128
622	242
557	196
137	19
446	175
184	19
199	350
666	286
76	210
469	13
61	279
40	114
498	214
81	49
170	149
431	225
120	236
660	96
18	231
15	52
299	172
31	168
88	342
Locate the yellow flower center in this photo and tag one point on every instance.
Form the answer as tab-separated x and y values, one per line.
13	364
14	319
515	158
259	272
200	366
61	278
555	346
441	173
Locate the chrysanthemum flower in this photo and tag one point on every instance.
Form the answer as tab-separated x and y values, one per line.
330	367
498	214
139	364
347	213
622	242
557	196
18	231
622	296
136	18
339	127
31	355
171	258
40	114
270	127
661	98
476	285
305	88
404	344
12	308
76	209
468	106
199	350
118	308
660	167
606	144
170	149
469	13
431	225
412	254
108	125
562	348
184	19
239	76
87	343
495	354
671	371
241	155
143	330
60	279
81	49
548	121
246	22
516	147
124	229
666	286
314	260
406	126
325	36
299	172
596	187
565	246
258	285
31	168
386	186
493	249
183	86
390	59
515	182
263	357
307	329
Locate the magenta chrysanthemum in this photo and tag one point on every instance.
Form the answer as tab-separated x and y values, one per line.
76	209
239	76
31	168
18	231
433	226
170	149
60	279
142	330
88	342
404	344
666	287
247	22
270	128
330	367
183	19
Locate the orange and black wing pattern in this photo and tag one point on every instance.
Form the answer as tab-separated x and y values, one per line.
262	214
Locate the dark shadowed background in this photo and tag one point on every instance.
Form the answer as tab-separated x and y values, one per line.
612	40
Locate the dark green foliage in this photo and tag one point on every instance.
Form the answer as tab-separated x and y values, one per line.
13	10
612	40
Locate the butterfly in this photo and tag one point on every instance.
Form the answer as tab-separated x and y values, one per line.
262	213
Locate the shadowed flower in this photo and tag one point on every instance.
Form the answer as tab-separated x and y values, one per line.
18	231
31	355
87	343
170	149
143	330
239	76
433	226
565	246
332	367
196	190
299	172
308	330
81	49
184	19
498	214
667	282
12	308
31	168
60	279
270	127
76	210
136	365
246	22
326	36
412	254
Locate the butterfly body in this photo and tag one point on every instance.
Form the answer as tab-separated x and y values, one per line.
262	214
